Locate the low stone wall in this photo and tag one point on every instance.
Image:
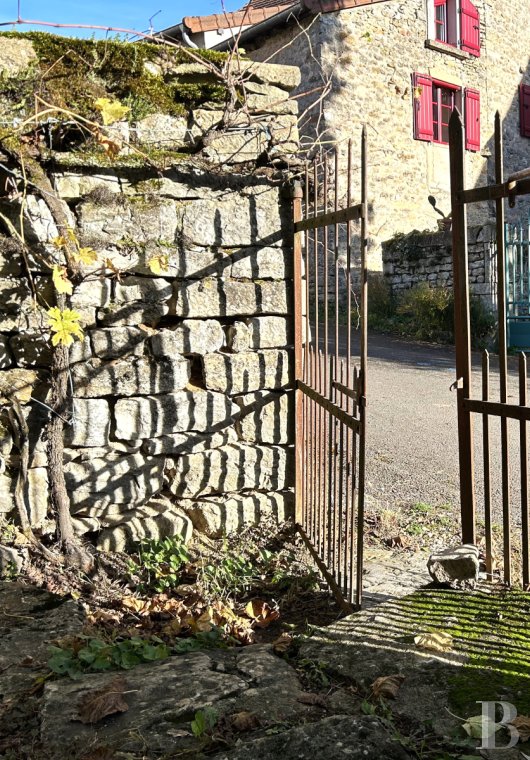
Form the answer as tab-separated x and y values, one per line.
181	408
427	257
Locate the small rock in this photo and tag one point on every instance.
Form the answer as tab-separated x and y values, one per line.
11	561
455	566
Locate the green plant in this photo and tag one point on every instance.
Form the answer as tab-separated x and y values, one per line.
90	654
214	639
9	572
159	563
314	672
232	575
204	722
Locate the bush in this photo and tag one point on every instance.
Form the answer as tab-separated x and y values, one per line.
425	313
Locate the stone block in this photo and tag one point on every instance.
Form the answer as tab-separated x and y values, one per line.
262	263
252	217
192	336
203	121
115	342
96	483
238	337
455	566
265	98
37	496
236	467
90	424
146	290
188	443
285	136
130	376
70	185
162	131
284	77
13	295
217	517
17	383
171	413
31	349
7	491
80	350
159	518
93	292
270	418
247	371
10	257
128	222
230	298
235	147
6	359
270	332
133	314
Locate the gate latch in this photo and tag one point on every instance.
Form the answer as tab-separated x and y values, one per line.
457	385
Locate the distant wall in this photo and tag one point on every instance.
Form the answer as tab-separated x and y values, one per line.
427	257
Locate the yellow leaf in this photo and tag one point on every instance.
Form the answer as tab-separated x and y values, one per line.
159	263
65	326
86	256
60	242
437	641
60	280
111	110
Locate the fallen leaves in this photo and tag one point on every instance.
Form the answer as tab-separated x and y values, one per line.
310	698
387	687
282	643
262	613
522	724
243	721
99	703
480	726
435	641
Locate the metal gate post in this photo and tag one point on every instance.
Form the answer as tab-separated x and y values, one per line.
462	328
298	338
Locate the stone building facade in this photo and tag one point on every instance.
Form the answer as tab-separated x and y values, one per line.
374	62
181	406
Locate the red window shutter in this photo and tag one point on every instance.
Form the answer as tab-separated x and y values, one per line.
524	109
472	118
422	92
469	27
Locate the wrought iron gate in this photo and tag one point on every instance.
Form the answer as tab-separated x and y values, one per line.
330	390
485	406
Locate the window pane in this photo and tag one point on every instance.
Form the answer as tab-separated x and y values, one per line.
441	23
445	133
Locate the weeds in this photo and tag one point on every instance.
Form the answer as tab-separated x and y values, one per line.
85	654
159	563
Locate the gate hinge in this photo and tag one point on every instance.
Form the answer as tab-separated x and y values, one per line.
362	401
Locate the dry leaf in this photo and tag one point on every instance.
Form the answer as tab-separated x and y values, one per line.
98	703
60	280
110	146
309	698
282	643
244	721
436	641
480	726
262	613
387	686
522	724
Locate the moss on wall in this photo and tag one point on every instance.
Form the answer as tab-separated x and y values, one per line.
72	73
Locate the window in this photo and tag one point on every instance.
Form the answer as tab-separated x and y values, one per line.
434	102
456	23
524	109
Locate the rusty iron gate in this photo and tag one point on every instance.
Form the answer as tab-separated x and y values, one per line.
330	295
483	404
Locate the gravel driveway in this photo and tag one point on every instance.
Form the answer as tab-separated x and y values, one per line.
412	427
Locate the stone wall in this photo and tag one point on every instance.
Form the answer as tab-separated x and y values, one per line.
368	54
427	257
181	408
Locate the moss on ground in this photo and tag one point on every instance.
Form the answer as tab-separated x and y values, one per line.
492	627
